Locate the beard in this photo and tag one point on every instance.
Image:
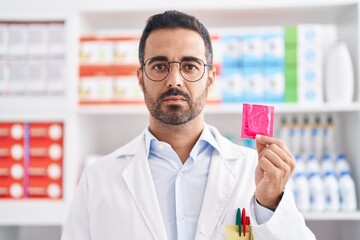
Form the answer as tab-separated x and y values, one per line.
175	114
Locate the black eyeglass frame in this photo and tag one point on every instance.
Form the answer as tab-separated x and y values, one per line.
168	71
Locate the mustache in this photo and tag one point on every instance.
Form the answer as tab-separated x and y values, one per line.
174	92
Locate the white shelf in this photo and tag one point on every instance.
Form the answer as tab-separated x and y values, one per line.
333	216
32	212
110	16
138	5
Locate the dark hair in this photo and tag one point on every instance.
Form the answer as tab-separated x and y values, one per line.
175	19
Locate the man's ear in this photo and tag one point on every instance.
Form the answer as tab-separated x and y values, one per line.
140	76
212	77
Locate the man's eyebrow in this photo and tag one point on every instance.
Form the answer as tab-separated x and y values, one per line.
158	58
190	58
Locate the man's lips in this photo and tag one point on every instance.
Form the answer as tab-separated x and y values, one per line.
174	98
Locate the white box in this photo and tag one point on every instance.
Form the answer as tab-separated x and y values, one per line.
254	86
310	34
97	52
4	77
231	84
36	76
56	39
126	88
17	76
310	84
96	88
274	81
274	46
55	76
310	54
38	39
18	39
126	51
252	48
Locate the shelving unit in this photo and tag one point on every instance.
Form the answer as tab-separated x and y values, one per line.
101	129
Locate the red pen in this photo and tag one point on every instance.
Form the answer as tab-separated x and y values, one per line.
243	219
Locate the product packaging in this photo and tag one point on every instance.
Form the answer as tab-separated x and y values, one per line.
257	119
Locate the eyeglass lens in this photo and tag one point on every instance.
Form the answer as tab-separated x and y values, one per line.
190	70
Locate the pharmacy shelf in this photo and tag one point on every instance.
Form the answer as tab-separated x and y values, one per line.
333	216
235	108
32	212
109	15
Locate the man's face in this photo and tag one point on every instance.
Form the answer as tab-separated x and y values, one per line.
174	100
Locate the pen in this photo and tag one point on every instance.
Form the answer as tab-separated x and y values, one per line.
243	219
238	220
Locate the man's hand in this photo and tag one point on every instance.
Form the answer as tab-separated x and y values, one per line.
274	168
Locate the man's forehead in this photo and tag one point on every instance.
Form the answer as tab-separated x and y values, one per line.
185	42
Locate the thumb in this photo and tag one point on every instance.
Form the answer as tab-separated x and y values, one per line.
259	144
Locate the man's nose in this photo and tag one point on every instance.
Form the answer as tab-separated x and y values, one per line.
174	78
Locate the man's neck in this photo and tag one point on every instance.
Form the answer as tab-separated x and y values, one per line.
182	138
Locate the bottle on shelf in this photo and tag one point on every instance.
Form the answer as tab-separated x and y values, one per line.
283	130
341	165
347	192
316	185
295	136
306	135
317	137
327	165
329	135
332	194
301	186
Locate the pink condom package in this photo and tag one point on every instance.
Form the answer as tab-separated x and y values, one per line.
257	119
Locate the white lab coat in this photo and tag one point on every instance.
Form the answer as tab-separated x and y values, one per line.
116	198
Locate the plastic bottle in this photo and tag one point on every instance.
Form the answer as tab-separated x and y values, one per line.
317	192
316	185
338	65
329	135
317	137
327	165
341	165
295	136
283	132
301	186
347	192
332	194
306	136
312	165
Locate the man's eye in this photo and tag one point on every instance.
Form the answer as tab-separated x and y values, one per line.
159	67
190	67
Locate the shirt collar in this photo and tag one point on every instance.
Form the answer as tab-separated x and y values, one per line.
206	137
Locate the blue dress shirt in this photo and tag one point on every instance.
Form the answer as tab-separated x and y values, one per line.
180	187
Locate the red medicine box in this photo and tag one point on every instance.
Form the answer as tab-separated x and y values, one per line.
45	160
12	154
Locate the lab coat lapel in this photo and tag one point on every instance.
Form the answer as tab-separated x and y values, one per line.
138	179
220	185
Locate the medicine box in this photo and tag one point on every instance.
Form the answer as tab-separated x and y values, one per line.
45	160
12	160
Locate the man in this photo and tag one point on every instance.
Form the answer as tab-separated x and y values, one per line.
180	179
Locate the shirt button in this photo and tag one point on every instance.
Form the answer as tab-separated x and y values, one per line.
182	216
161	147
180	174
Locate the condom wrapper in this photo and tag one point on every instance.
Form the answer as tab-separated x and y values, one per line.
257	119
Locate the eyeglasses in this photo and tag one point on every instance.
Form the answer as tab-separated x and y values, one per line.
192	69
